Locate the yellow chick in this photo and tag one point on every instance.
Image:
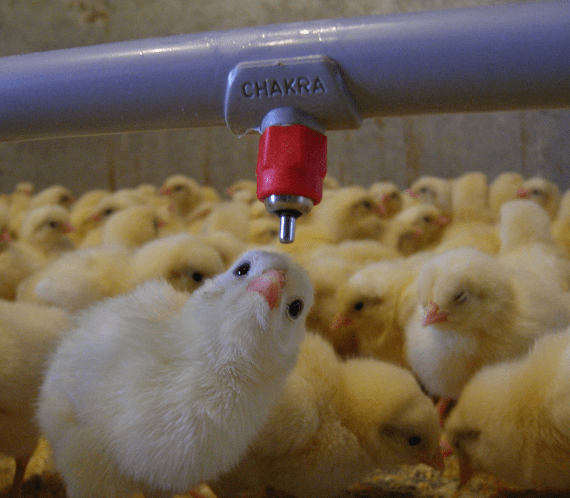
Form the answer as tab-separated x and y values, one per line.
106	207
82	213
18	206
561	224
335	423
388	197
243	191
46	229
504	188
56	194
263	231
29	334
512	419
349	213
371	308
184	193
543	192
79	278
416	228
527	242
470	199
183	260
132	226
231	216
472	311
432	190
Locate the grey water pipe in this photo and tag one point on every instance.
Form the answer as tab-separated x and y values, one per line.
338	72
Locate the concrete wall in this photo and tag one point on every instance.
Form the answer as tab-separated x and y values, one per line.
397	149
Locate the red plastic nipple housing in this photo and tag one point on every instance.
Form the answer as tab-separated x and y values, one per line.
291	167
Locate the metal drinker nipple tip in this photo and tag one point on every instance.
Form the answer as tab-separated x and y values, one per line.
288	208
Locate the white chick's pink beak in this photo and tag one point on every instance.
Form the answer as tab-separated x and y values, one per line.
269	285
433	315
523	193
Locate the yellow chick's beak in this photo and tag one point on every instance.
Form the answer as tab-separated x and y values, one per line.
433	315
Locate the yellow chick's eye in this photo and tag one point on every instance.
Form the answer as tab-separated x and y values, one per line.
460	297
358	305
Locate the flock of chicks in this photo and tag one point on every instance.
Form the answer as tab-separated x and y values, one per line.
227	358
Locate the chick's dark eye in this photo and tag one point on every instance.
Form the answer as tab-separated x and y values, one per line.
358	306
427	219
414	440
460	297
197	277
242	270
53	224
295	308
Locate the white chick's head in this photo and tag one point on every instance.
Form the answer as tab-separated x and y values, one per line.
465	290
542	191
523	221
262	292
391	416
47	227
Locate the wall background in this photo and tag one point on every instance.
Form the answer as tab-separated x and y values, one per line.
396	149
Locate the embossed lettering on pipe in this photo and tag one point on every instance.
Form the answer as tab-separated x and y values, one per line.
301	85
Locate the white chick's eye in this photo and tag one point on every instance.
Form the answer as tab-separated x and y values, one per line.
460	297
243	269
295	308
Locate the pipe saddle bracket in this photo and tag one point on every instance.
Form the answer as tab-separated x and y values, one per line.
312	87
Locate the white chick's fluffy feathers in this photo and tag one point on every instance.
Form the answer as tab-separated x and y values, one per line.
336	422
155	391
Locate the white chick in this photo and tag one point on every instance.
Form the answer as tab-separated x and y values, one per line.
183	260
473	311
133	226
228	247
56	194
184	193
512	419
158	391
504	188
47	229
416	228
527	242
371	308
388	197
29	333
543	192
432	190
79	278
335	423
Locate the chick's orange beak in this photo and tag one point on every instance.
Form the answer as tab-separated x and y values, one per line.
523	193
433	315
412	193
269	285
340	320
